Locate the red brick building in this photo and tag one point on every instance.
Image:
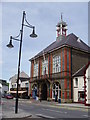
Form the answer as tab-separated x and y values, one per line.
52	68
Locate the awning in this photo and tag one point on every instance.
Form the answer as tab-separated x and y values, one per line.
18	91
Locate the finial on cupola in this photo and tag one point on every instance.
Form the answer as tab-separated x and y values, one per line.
61	16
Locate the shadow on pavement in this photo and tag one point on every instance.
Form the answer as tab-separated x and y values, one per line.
44	119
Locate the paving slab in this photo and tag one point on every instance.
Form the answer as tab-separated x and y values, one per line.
21	114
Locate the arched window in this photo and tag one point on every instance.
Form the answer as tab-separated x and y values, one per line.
56	89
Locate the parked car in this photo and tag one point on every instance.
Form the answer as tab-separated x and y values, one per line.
8	96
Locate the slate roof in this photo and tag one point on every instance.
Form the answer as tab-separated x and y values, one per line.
70	40
23	76
80	72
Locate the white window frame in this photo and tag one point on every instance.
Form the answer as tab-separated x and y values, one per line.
35	69
44	65
76	82
57	63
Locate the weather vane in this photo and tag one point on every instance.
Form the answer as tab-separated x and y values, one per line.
61	16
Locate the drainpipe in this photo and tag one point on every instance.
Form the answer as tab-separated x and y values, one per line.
49	65
71	78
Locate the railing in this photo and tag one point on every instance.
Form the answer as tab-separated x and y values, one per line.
59	75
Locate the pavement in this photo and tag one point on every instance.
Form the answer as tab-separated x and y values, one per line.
11	114
23	114
52	103
0	112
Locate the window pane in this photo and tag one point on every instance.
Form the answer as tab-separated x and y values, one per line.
57	63
35	69
45	66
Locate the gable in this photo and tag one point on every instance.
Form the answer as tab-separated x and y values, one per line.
70	40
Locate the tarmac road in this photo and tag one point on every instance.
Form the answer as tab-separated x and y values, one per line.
33	109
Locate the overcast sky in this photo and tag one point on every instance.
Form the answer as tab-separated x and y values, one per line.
44	16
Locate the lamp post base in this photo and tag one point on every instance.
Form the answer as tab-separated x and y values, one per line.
16	106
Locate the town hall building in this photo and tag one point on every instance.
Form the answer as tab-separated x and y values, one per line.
53	67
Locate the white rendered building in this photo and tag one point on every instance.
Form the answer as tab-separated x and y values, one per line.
23	83
87	84
81	83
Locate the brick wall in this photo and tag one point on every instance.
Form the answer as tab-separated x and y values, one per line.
79	59
32	68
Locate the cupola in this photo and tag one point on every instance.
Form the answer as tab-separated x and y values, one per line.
61	28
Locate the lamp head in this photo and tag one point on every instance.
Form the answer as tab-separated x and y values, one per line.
10	43
33	35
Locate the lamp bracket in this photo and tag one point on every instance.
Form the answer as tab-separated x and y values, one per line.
17	35
15	39
28	24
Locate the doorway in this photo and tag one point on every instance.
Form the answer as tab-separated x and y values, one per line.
56	90
44	91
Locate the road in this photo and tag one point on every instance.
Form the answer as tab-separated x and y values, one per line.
43	110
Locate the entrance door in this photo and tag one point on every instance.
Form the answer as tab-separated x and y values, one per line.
44	91
56	90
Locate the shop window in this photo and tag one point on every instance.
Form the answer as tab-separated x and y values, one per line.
81	96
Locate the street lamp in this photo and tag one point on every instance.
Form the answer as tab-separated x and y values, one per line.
33	35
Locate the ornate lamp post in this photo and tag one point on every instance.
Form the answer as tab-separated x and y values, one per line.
33	35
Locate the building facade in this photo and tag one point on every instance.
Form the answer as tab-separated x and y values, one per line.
23	86
78	86
3	86
52	68
81	83
87	84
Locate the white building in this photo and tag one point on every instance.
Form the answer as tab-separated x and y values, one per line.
87	84
23	83
80	92
3	86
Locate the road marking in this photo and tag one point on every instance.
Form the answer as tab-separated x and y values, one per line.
54	110
43	116
85	115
